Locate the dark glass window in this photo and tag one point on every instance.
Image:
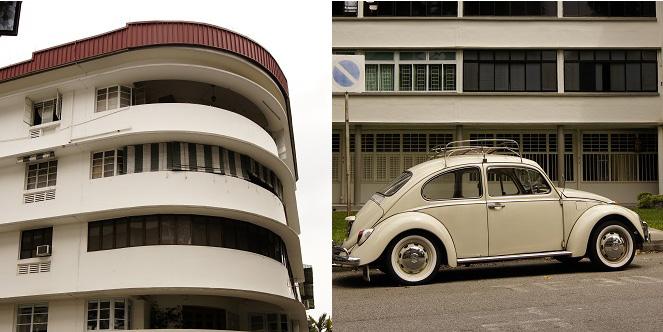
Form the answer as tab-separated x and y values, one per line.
344	8
168	229
510	70
610	8
411	8
510	8
610	70
33	238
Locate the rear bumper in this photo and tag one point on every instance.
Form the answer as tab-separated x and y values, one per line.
341	257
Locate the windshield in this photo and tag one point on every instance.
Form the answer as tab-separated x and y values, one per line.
396	184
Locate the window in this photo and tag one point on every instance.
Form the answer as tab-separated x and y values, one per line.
33	238
108	314
45	112
610	8
610	70
268	322
415	71
113	97
507	181
168	229
510	70
397	184
625	156
411	8
510	8
107	163
32	318
197	317
457	184
41	175
344	8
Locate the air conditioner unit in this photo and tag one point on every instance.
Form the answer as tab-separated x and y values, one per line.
44	250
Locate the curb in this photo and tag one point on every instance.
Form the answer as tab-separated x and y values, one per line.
653	246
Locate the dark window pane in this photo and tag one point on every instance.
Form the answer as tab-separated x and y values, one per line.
549	79
570	55
549	55
586	55
183	229
229	235
434	8
632	9
633	82
533	55
518	8
517	55
471	77
649	55
93	236
136	231
617	77
501	8
121	239
449	8
242	236
517	77
533	76
587	76
151	230
487	8
649	9
215	234
167	225
199	231
501	77
618	55
633	55
602	55
471	8
571	77
486	77
418	8
598	77
402	8
502	55
649	77
486	55
107	235
470	55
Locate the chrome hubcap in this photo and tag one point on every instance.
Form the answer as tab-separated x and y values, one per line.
613	246
413	258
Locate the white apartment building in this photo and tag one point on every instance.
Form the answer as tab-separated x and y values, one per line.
572	81
147	178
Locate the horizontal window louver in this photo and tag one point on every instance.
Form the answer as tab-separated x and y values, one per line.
40	196
32	268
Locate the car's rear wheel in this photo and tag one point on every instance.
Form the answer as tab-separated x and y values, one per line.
412	259
611	245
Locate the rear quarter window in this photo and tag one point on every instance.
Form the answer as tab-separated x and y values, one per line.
396	184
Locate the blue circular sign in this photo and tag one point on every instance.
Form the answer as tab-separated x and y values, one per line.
346	73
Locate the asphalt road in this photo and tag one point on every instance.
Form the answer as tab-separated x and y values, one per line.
531	295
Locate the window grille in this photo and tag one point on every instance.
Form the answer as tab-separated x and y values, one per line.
625	157
417	71
414	143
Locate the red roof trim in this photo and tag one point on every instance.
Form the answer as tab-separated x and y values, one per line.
144	34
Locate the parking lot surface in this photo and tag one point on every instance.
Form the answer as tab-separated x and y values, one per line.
529	295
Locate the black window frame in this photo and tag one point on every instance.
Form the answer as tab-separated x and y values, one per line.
609	9
411	9
46	234
489	56
510	8
575	57
340	9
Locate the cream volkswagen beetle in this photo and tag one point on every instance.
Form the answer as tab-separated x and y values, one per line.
476	203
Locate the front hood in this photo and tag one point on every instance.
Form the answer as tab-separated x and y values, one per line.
572	193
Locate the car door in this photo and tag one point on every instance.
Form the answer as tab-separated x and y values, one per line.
455	198
524	214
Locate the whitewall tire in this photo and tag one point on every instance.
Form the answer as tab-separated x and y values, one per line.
412	259
611	245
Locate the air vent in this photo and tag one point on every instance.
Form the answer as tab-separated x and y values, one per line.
40	196
34	133
32	268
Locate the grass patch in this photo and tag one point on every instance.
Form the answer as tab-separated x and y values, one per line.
338	225
653	217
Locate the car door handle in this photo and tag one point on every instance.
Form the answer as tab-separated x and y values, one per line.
496	206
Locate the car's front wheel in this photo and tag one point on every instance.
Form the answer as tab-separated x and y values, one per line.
412	259
611	245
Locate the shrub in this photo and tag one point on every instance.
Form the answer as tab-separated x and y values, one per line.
648	201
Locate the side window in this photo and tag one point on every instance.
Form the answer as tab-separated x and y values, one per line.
516	181
461	183
31	239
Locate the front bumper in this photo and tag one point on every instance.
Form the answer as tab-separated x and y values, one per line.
645	231
341	257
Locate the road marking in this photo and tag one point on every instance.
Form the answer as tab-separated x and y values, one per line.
534	324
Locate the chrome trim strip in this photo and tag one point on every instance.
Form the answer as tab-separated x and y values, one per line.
512	257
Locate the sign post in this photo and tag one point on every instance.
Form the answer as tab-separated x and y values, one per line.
348	76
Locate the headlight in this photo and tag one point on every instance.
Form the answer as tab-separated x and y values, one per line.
363	235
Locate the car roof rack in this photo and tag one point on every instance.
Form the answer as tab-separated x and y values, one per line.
483	147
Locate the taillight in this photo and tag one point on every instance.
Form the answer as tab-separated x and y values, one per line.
363	235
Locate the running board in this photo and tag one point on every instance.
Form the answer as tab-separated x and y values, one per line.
474	260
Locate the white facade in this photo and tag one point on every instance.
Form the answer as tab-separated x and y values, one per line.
611	136
197	143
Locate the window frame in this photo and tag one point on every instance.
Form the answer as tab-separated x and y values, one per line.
568	6
56	104
541	5
397	62
111	316
526	167
32	315
117	167
119	98
445	172
46	232
48	175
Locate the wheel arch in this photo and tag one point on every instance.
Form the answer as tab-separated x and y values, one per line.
400	224
581	231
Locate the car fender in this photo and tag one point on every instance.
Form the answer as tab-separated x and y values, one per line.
391	227
582	229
